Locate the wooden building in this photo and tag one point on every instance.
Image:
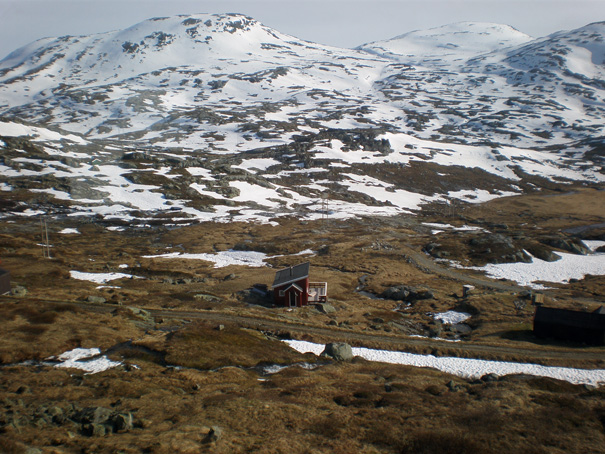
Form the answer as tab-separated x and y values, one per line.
292	287
568	325
5	282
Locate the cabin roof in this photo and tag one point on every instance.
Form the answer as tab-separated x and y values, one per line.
291	274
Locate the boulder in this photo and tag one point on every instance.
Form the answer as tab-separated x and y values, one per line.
338	351
573	245
325	308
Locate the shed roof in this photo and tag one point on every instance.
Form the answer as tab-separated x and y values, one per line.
567	317
291	274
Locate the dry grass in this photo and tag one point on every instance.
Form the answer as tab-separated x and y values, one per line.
230	346
338	408
34	330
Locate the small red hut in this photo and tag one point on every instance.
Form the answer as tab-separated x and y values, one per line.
292	287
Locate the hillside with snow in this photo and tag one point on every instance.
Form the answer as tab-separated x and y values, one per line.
218	117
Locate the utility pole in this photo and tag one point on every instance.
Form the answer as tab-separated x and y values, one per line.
44	237
324	208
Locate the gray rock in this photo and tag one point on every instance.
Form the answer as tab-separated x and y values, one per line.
94	415
122	422
140	313
487	378
338	351
19	291
435	330
56	414
207	297
461	328
33	451
94	430
325	308
214	434
96	299
452	386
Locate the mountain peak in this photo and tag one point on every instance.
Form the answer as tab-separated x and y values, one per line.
458	41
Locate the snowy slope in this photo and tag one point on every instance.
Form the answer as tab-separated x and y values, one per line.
220	117
448	45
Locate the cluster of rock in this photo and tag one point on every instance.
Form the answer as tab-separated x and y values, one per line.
406	293
499	248
89	421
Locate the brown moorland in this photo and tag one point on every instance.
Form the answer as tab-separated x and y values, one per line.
190	385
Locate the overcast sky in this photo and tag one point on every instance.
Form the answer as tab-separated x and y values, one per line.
343	23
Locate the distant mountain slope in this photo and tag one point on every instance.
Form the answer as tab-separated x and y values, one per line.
447	45
221	117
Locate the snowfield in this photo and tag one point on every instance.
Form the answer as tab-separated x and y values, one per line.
464	367
570	266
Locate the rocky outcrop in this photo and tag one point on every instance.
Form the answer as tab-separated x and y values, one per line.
497	248
406	293
573	245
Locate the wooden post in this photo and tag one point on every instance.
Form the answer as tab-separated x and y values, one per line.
47	244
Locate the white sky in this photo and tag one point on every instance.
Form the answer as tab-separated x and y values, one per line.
343	23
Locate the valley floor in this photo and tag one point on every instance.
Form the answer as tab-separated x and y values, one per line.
191	337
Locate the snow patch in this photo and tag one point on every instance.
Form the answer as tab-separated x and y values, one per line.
465	367
70	231
86	359
452	317
221	259
100	278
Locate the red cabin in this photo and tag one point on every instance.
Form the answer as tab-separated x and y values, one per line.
292	287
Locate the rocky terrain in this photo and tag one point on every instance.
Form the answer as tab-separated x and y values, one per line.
217	117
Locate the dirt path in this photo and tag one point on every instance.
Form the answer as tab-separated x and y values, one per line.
576	357
426	264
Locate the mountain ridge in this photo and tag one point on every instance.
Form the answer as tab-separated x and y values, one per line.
271	122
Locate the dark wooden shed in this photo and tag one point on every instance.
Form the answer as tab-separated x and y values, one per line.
5	282
569	325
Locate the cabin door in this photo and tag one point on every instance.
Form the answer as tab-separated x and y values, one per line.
293	299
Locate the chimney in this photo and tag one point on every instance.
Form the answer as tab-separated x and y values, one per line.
290	271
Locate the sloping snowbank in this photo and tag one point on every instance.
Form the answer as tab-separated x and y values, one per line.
220	259
464	367
226	258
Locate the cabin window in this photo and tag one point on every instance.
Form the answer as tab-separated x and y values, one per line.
282	293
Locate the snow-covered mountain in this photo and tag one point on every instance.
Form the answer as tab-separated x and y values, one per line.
220	117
